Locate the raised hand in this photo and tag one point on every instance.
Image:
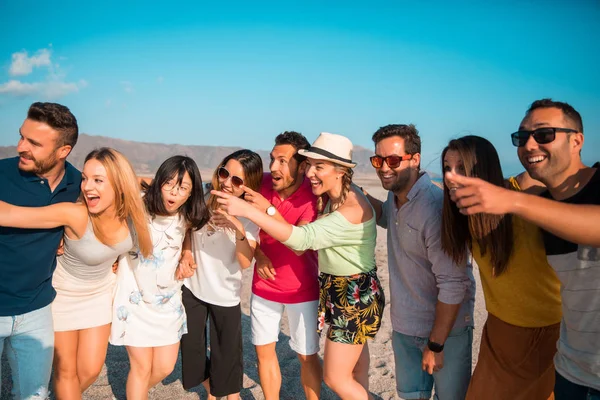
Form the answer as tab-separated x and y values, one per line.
474	195
223	220
231	204
257	200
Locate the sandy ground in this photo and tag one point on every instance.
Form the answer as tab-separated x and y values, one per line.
111	383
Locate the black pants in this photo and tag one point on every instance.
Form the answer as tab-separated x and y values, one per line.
567	390
224	366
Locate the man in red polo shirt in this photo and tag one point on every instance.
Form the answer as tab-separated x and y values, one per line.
283	279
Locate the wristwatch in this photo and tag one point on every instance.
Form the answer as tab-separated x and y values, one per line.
271	210
435	347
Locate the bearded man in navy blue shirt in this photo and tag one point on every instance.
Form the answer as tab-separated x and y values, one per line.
39	176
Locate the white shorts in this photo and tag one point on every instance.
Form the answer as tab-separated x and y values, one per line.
265	317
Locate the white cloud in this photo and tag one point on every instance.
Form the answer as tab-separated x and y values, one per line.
50	90
22	64
127	86
53	86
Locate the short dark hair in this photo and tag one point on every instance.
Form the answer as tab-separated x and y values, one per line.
58	117
410	134
194	210
295	139
568	111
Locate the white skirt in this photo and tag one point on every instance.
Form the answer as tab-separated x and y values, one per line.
79	303
138	322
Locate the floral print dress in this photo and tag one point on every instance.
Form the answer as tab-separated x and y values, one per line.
147	307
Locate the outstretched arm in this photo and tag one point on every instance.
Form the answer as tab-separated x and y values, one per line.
52	216
278	230
577	223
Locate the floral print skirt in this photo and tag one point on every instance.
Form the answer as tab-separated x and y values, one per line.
352	306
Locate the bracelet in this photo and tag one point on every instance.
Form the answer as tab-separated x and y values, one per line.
240	239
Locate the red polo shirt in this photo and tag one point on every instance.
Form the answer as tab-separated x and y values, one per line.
297	276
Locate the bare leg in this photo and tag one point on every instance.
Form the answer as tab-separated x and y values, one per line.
163	362
268	371
66	382
140	362
91	353
207	387
311	375
339	362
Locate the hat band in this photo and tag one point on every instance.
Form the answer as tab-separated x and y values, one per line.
325	153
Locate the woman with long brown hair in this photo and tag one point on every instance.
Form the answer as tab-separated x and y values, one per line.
522	292
351	297
222	249
104	224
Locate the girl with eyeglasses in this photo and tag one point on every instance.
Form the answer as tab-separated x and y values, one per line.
522	292
221	250
148	314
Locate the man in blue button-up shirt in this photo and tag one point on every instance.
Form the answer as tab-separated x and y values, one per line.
39	176
432	298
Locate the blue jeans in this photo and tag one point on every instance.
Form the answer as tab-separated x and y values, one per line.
564	389
29	343
451	382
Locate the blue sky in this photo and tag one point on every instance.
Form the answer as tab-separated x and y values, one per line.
238	73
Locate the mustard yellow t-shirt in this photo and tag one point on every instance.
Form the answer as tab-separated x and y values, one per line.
527	294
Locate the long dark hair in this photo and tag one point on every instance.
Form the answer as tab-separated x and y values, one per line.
194	209
493	233
253	172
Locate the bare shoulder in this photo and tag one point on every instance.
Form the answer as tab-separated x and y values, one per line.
356	209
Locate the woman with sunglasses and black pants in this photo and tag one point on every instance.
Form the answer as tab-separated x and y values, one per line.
221	249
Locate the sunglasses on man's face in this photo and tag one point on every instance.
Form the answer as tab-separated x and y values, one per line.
392	161
540	135
236	181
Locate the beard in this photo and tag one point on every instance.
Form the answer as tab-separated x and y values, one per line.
397	185
39	167
284	185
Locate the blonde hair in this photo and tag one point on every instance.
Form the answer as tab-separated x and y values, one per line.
346	183
128	201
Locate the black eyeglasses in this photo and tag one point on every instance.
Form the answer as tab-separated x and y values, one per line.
235	180
541	135
392	161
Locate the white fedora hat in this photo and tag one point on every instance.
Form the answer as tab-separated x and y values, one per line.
331	147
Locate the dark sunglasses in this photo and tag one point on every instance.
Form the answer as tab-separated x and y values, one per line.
541	135
392	161
235	180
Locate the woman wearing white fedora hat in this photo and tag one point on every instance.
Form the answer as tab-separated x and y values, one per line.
351	299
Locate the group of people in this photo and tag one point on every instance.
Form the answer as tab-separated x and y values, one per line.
310	234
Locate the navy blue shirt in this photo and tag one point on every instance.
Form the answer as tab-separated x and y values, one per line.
28	256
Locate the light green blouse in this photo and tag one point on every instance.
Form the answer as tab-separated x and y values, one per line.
344	248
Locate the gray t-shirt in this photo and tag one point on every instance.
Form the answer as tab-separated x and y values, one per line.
578	268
